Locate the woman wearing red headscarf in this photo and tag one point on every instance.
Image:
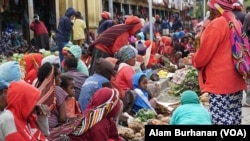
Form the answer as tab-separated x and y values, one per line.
97	122
105	129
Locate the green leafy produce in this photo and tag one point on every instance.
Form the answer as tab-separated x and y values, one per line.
190	83
144	115
46	53
17	57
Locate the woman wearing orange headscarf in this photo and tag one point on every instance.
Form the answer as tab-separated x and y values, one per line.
32	63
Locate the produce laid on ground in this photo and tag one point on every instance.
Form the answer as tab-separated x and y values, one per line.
136	128
19	56
188	80
144	115
168	66
162	74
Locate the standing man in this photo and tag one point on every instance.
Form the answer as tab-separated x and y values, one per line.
156	28
64	30
41	33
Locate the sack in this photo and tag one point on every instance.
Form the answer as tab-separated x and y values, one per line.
240	49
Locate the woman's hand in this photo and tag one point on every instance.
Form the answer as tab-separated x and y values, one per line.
42	110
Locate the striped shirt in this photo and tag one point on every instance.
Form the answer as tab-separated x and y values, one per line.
60	98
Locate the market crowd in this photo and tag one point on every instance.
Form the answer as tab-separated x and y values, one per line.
83	93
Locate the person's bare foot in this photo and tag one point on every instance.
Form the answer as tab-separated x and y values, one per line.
245	105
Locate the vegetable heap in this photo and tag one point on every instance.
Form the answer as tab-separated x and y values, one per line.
190	83
144	115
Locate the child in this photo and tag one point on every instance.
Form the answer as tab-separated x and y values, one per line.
140	82
190	112
72	106
190	45
85	57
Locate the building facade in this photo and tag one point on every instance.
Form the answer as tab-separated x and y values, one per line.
18	14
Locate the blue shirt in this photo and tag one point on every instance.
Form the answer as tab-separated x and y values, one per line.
90	86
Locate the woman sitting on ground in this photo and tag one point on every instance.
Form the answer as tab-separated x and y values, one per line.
190	112
125	71
54	96
103	107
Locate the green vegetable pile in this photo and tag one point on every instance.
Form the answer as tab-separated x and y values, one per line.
190	83
144	115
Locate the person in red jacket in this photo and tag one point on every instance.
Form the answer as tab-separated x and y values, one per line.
23	119
41	33
217	74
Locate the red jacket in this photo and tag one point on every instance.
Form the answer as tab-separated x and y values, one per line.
214	60
124	78
39	28
22	98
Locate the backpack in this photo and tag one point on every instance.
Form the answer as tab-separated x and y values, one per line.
240	50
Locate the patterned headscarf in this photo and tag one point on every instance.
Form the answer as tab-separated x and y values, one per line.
225	4
104	104
125	53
